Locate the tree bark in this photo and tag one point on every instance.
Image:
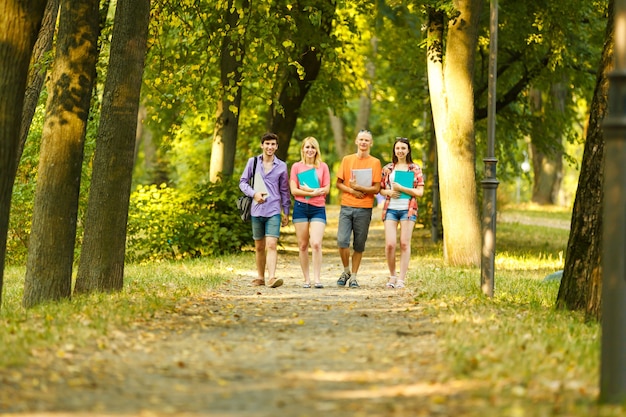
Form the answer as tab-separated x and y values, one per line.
38	70
450	82
284	114
101	266
581	284
292	96
53	233
228	107
547	160
19	24
365	101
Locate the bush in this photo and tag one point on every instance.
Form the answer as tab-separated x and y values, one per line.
167	223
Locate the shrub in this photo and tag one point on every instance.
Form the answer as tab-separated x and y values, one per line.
167	223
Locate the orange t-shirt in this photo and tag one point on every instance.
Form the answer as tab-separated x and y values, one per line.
351	162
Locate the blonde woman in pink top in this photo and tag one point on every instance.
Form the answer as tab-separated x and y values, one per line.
310	183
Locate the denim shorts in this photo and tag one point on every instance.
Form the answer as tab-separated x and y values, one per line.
303	212
399	215
353	222
266	226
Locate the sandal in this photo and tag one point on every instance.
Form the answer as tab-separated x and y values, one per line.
400	283
275	282
318	285
392	282
306	285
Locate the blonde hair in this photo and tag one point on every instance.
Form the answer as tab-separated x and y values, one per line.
316	145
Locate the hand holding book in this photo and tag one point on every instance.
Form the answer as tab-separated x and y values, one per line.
405	179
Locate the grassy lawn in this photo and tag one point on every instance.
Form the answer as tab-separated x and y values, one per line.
525	357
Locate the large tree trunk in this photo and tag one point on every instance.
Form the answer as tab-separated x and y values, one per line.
38	70
101	266
452	103
292	96
229	105
53	233
581	285
294	88
19	24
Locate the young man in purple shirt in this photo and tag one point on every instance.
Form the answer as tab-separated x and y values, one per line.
270	206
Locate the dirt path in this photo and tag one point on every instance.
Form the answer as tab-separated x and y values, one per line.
245	351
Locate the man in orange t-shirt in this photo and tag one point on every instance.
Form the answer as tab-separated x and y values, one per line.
358	180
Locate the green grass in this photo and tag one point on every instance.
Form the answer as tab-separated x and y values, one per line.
532	360
535	360
148	290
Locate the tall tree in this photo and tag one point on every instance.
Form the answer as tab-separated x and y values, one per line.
581	285
101	265
38	69
19	24
53	234
450	78
314	24
229	103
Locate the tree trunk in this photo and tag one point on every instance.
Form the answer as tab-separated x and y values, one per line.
339	135
581	284
37	71
284	115
19	23
101	266
229	105
53	233
291	98
547	166
365	101
452	103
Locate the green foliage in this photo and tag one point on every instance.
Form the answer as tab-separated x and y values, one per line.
168	223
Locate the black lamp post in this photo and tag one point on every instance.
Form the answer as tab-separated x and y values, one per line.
613	351
490	183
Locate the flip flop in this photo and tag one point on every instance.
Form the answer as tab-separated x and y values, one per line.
306	285
319	285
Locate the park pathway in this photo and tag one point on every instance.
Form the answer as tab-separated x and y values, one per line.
248	351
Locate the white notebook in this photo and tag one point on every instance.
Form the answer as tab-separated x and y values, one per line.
259	184
363	177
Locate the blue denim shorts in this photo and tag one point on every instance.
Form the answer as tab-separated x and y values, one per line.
353	222
399	215
265	226
303	212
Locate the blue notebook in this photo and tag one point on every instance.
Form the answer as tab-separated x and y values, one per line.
405	179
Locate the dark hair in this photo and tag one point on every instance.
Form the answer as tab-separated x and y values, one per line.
394	158
269	136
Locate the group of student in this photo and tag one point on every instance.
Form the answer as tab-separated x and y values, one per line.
360	178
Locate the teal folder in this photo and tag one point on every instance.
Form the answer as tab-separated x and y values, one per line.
309	178
405	179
